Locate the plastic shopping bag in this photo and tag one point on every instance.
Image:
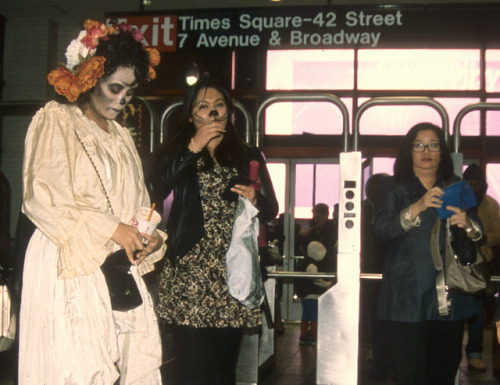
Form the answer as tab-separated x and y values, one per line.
244	279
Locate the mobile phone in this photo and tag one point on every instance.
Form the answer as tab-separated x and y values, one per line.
230	195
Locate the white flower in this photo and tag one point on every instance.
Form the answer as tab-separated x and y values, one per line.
77	50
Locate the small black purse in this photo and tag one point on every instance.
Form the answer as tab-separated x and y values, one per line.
465	248
123	290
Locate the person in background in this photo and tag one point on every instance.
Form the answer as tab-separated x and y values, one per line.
323	230
425	347
309	291
206	165
82	183
489	212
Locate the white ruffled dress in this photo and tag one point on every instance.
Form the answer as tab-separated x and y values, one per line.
68	332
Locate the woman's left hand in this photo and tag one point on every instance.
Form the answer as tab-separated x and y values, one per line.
458	219
245	191
154	243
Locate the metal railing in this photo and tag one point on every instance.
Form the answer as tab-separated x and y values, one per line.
302	97
369	276
398	101
152	121
464	111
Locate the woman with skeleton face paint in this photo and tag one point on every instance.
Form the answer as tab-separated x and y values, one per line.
82	185
206	166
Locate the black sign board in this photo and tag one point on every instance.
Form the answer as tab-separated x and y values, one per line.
445	26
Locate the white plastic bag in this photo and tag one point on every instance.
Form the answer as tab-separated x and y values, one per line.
244	280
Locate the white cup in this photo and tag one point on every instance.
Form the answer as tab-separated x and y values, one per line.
142	224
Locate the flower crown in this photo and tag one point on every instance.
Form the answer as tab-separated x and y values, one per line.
82	68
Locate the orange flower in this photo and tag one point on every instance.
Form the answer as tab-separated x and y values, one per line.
89	24
65	83
90	71
151	74
85	69
154	56
154	60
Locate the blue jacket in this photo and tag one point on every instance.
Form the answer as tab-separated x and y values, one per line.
408	292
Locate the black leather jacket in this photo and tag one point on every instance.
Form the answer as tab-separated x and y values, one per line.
185	225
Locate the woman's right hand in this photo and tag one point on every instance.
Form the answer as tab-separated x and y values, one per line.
432	198
206	132
129	238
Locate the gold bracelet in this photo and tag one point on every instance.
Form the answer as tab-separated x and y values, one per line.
195	146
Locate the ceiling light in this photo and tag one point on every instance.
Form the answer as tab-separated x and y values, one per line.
192	74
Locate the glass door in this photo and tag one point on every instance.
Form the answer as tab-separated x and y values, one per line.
299	185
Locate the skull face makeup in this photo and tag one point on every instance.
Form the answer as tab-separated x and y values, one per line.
111	95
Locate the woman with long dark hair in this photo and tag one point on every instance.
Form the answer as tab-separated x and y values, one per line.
201	160
426	345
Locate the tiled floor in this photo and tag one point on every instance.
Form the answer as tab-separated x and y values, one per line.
295	364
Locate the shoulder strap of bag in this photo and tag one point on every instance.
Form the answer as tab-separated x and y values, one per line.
101	183
441	288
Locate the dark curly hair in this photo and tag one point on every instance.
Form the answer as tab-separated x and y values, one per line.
403	166
120	50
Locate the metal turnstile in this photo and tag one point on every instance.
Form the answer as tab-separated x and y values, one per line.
338	322
255	348
338	329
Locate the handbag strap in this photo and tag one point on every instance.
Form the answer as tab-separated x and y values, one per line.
101	184
441	287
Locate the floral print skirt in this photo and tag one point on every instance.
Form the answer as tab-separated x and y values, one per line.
194	291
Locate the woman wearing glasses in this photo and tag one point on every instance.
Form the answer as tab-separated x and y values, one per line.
426	346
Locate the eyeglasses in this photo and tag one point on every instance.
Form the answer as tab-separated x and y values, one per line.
420	147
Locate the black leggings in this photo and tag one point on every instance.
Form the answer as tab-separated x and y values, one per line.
205	356
426	353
